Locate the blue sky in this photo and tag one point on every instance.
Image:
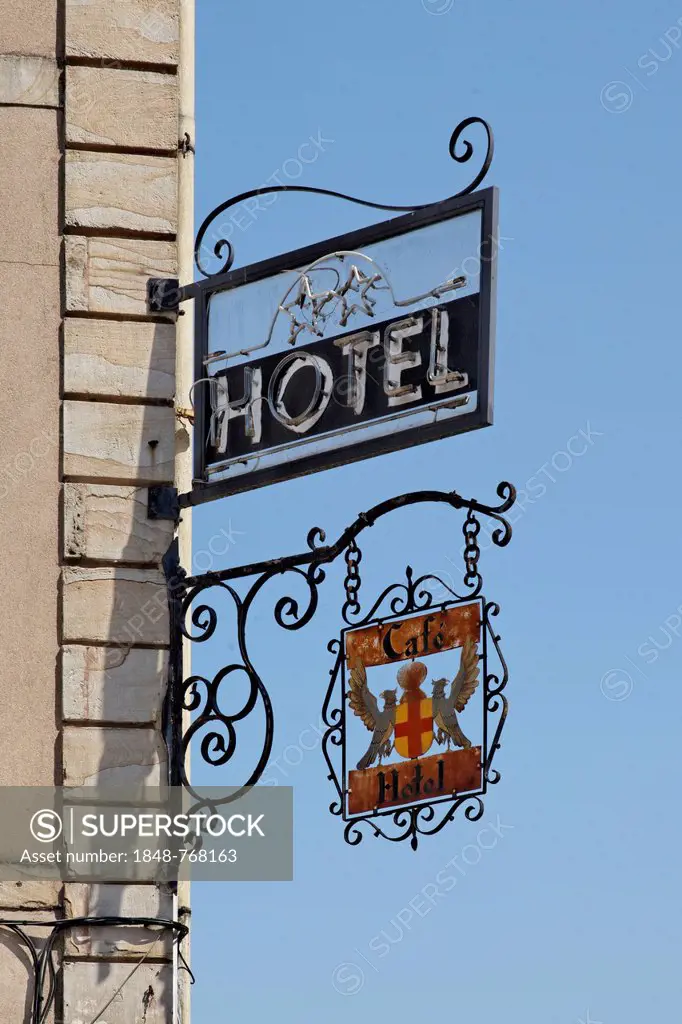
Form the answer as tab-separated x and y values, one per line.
571	911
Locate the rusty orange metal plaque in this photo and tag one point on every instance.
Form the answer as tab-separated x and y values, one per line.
416	637
408	782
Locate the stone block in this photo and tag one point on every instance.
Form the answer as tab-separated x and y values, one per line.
113	684
16	970
146	998
29	895
29	186
106	523
33	81
118	191
128	30
126	443
29	510
113	900
30	28
113	757
132	109
111	359
109	275
117	606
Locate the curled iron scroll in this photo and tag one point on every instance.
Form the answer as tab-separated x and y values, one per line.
223	249
214	728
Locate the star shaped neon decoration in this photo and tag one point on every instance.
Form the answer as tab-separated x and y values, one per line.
316	302
306	298
359	282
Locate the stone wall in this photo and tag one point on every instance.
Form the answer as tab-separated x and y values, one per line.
89	192
30	283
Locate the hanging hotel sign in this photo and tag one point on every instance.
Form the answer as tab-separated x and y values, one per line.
414	706
359	345
413	721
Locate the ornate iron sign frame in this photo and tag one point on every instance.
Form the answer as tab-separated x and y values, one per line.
195	620
166	295
421	816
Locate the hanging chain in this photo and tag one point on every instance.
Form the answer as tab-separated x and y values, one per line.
472	552
352	582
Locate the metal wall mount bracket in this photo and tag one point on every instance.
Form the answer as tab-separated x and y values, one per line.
163	294
163	503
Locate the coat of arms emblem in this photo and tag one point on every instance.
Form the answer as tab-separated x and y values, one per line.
408	726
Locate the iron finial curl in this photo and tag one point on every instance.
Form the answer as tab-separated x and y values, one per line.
223	249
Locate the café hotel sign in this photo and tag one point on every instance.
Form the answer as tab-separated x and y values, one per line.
412	720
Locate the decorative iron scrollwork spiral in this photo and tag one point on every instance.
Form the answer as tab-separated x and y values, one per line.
224	252
212	726
412	822
496	703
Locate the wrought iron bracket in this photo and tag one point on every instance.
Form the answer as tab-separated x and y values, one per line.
193	710
42	959
223	249
163	503
164	295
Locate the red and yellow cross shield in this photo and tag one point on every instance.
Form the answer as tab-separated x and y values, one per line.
413	726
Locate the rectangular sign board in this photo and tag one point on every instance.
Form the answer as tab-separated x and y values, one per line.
356	346
436	658
398	640
408	782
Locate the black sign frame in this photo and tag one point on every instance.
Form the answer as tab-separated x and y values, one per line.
486	201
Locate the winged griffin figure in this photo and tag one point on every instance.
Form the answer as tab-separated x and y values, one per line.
380	723
463	686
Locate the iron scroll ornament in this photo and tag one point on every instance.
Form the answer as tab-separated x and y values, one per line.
195	620
223	249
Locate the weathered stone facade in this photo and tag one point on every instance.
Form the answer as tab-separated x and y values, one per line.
89	114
